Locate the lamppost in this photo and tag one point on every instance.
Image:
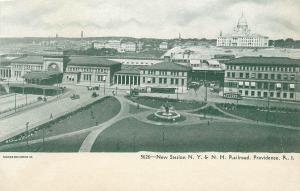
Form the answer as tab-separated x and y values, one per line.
177	88
27	134
104	80
268	106
15	101
205	85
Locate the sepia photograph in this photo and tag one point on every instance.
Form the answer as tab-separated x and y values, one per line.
158	76
150	95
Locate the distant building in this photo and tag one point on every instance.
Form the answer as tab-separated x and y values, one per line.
163	46
128	47
98	44
242	37
114	44
263	77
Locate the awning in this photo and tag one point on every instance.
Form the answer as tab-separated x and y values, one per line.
252	84
247	83
241	83
292	86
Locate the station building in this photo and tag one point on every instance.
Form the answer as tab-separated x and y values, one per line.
165	77
90	70
263	77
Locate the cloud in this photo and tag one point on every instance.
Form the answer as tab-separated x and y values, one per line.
142	18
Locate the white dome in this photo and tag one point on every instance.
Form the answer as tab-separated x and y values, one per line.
242	21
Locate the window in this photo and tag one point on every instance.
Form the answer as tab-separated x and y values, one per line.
266	76
259	85
272	86
265	85
144	78
278	76
247	75
265	94
165	80
160	80
172	80
253	75
278	95
241	75
272	76
153	80
259	76
285	87
292	77
228	74
233	74
252	93
284	95
271	94
246	92
259	94
176	81
182	82
285	77
291	95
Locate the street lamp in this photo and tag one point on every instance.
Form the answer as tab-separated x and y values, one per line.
27	133
104	79
205	85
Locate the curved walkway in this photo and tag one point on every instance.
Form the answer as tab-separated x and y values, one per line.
92	136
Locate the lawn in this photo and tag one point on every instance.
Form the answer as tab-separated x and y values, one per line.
130	135
210	111
250	112
156	102
80	119
68	144
133	109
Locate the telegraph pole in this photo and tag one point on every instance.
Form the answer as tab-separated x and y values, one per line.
15	102
205	98
27	134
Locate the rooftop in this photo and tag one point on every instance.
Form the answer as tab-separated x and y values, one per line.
40	75
274	61
168	66
33	59
133	70
91	61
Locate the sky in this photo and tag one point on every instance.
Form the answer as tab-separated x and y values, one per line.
147	18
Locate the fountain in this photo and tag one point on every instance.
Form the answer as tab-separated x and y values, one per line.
167	113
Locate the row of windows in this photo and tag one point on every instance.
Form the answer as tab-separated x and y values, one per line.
262	85
84	69
27	67
261	68
164	81
265	94
137	63
260	76
163	73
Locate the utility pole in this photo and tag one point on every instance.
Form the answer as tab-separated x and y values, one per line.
43	138
177	88
268	101
27	134
15	102
205	84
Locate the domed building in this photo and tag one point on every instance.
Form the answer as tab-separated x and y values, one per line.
242	37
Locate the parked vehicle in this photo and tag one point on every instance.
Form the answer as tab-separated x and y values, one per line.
94	94
75	96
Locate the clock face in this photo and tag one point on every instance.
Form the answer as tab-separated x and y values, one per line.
53	67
